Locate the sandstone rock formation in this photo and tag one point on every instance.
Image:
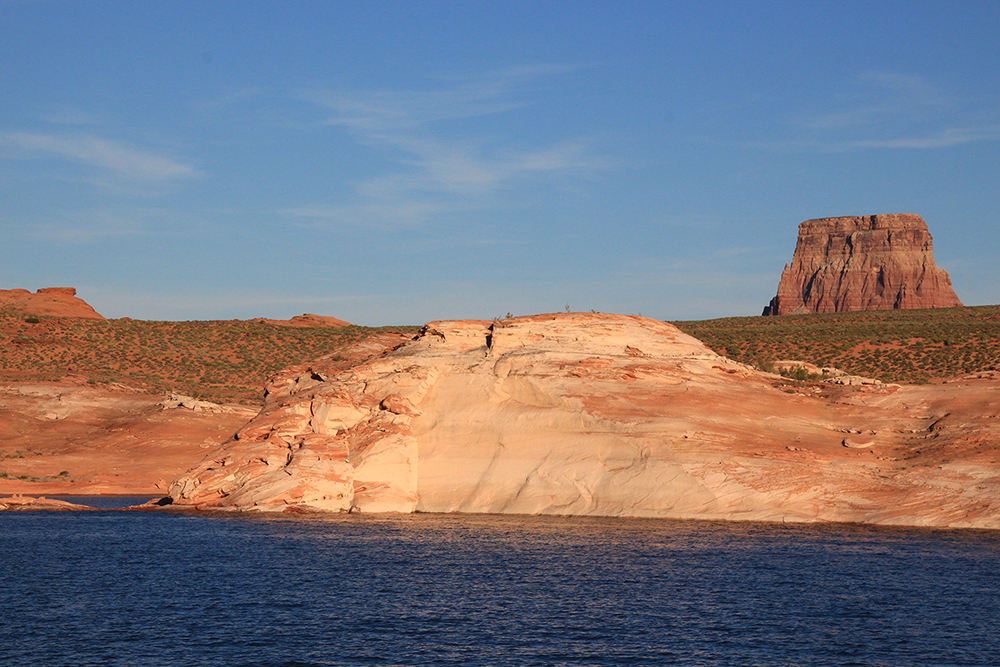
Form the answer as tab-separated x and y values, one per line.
604	415
873	262
48	301
74	438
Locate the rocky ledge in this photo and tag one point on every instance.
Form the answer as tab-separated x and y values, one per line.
20	503
604	415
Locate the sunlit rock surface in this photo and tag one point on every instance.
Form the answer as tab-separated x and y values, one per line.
867	262
595	414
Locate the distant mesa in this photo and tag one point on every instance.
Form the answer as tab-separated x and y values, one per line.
308	320
869	262
49	302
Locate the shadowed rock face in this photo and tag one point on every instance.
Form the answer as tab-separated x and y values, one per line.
610	415
49	301
874	262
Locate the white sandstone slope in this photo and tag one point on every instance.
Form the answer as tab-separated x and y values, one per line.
599	415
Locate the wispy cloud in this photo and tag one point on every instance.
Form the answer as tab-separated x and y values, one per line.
123	161
912	86
876	98
228	99
67	115
891	110
453	98
369	214
83	226
943	139
97	227
446	153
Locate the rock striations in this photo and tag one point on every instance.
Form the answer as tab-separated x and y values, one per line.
613	415
873	262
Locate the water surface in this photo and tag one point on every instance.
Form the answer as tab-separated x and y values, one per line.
128	588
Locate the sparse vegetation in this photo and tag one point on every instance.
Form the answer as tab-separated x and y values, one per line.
914	346
214	360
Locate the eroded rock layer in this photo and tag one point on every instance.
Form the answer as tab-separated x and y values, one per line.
873	262
604	415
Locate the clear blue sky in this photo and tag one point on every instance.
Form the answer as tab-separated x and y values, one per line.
402	162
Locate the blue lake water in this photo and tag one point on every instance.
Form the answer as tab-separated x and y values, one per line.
140	588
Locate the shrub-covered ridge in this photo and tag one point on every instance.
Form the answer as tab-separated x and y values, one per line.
214	360
893	345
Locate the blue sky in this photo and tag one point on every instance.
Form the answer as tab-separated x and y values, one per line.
395	163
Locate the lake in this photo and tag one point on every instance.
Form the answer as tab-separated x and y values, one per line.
165	588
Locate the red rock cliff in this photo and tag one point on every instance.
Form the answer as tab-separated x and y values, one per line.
870	262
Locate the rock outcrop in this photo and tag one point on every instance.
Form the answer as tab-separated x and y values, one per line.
48	301
308	320
19	503
873	262
603	415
